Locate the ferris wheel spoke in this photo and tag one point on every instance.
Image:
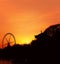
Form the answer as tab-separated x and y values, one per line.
9	38
11	42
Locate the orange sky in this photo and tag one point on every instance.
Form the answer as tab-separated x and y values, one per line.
25	18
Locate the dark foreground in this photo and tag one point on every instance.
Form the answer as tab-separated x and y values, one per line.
30	55
44	50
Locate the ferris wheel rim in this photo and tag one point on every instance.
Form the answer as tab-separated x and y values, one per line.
10	35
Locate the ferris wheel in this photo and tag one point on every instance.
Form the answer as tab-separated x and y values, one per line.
8	40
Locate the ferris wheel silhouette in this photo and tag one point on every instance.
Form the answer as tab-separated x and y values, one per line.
8	40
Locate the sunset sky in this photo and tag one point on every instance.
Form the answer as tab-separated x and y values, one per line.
26	18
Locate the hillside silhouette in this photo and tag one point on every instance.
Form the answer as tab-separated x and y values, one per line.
44	49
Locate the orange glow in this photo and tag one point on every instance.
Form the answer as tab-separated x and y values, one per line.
26	18
24	40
